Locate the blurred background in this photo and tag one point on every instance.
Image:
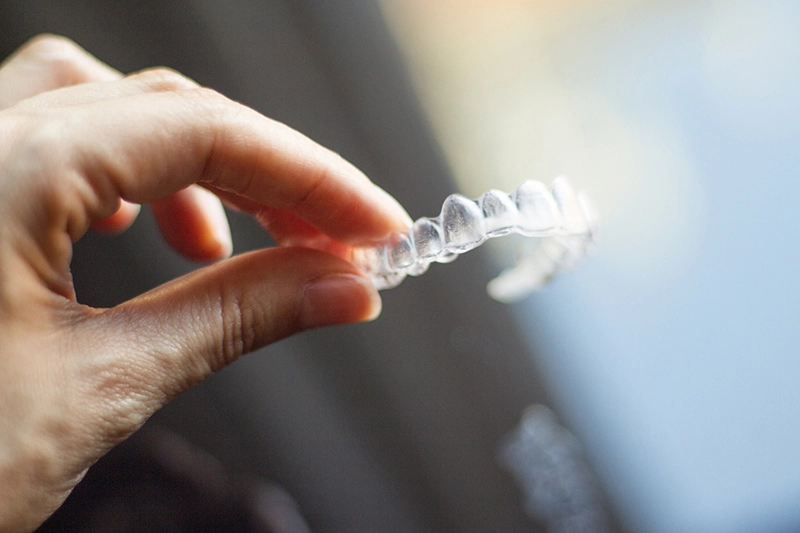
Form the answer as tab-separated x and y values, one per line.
674	352
652	390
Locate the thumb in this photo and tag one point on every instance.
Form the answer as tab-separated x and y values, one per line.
183	331
109	370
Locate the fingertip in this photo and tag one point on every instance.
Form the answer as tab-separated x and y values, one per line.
194	223
121	220
339	299
220	241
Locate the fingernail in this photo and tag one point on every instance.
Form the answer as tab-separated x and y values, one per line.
340	299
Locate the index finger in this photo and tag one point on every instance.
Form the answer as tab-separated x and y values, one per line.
147	146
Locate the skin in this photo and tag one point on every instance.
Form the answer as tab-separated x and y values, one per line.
82	145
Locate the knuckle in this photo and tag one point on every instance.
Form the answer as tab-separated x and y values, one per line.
39	145
318	180
208	101
237	331
216	117
49	45
163	79
61	57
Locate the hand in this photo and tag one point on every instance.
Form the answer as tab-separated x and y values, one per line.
79	145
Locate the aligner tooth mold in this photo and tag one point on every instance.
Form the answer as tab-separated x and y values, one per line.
563	219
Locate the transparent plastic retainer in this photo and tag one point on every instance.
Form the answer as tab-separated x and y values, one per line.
564	220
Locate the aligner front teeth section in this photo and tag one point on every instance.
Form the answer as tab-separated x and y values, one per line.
564	220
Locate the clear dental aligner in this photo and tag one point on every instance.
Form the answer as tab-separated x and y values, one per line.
562	218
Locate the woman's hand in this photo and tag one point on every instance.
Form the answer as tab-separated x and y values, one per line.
82	145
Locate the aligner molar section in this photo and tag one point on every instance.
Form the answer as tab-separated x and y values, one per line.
499	213
573	215
590	214
462	222
538	213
